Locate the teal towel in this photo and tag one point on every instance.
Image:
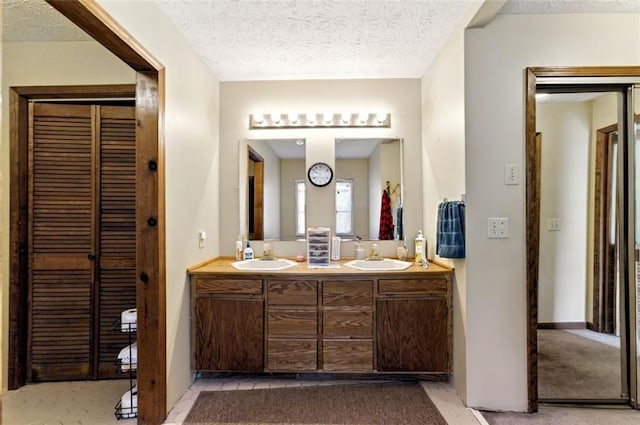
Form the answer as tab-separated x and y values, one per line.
450	237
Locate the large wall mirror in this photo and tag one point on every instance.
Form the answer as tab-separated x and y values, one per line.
368	189
369	201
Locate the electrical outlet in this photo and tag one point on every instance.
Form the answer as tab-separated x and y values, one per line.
553	224
511	174
498	228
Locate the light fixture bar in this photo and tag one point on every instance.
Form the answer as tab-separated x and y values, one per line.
274	120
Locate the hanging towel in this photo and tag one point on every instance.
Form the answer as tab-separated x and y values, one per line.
399	229
450	237
385	231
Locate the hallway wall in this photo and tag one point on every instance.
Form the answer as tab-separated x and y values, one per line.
564	187
495	60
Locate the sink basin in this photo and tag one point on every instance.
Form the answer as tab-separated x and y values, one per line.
257	264
378	265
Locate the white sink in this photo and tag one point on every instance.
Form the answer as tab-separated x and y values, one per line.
257	264
378	265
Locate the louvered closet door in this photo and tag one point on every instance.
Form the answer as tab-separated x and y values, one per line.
82	239
117	274
61	241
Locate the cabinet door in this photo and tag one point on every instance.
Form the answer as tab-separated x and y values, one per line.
229	334
412	335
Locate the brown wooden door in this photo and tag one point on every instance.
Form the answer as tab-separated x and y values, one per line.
81	238
229	334
412	335
116	290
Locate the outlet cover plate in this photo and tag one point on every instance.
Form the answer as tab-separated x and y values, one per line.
498	228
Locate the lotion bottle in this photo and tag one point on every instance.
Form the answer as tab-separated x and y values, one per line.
420	248
248	252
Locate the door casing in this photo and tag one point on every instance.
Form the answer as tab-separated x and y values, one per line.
533	210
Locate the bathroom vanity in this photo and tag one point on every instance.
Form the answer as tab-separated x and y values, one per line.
333	320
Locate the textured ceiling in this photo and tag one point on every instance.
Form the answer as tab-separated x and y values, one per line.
287	39
304	39
31	20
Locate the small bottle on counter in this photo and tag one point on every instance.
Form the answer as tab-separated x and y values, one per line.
248	252
421	248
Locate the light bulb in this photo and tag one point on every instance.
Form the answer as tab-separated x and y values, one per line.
275	118
346	117
363	117
311	118
293	118
258	118
327	117
381	117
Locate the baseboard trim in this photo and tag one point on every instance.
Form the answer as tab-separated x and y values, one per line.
562	325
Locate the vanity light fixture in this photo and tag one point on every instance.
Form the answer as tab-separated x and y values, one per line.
324	120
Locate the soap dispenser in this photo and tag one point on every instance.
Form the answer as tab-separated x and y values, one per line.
248	252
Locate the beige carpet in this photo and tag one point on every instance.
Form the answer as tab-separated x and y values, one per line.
575	367
370	404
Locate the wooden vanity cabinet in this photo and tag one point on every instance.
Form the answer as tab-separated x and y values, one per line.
347	325
228	324
413	323
292	325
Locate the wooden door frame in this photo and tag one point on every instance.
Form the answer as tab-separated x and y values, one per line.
258	194
150	211
601	229
532	200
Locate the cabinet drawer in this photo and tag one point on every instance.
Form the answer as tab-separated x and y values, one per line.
207	285
292	322
358	324
292	292
413	286
292	354
347	355
347	293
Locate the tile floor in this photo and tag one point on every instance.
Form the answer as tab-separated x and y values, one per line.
442	394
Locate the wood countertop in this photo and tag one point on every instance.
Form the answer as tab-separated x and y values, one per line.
222	266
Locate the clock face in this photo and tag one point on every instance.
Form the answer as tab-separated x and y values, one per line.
320	174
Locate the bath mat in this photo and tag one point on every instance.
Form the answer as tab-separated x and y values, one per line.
355	404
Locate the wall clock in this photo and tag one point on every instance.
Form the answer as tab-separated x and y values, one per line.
320	174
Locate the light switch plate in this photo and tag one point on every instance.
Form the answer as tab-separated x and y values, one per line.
553	224
511	174
498	228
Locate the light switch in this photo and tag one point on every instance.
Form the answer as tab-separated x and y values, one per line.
511	174
201	238
553	224
498	228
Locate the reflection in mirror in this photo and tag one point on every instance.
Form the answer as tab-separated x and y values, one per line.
275	182
369	202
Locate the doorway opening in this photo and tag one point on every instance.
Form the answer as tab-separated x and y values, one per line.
613	227
150	225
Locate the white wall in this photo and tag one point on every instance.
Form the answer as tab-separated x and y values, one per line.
443	172
291	170
564	188
192	158
45	63
400	97
495	59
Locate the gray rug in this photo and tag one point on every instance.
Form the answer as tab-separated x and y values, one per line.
357	404
571	366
